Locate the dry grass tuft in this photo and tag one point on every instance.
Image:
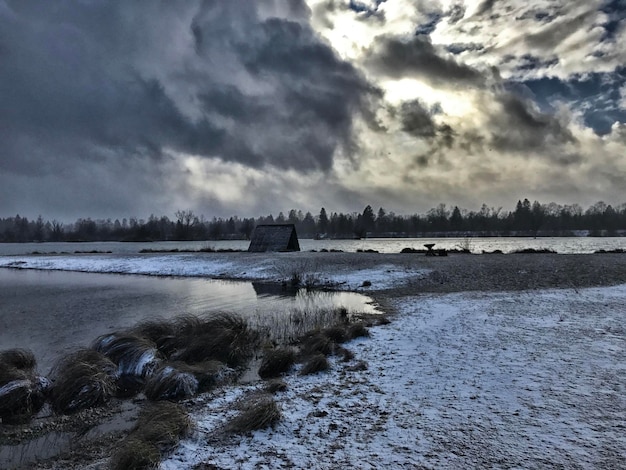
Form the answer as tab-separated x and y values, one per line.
226	338
22	392
161	332
275	386
169	383
135	454
159	428
346	354
276	362
314	364
337	334
21	359
207	373
358	330
129	385
162	424
258	413
316	343
22	395
82	380
132	354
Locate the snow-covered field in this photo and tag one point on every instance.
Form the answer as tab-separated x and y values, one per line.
481	380
525	379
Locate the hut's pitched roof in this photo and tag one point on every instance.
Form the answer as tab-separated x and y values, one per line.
279	237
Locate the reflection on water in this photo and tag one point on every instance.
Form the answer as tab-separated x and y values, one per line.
54	312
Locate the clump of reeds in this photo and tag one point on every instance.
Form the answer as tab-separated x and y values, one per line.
161	332
276	362
162	424
21	359
316	343
207	373
314	364
276	385
128	386
346	354
132	354
82	380
22	392
257	413
21	395
169	383
226	338
135	454
159	428
337	334
358	330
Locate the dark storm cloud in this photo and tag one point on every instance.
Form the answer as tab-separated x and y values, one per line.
518	126
93	81
455	13
485	7
416	119
418	57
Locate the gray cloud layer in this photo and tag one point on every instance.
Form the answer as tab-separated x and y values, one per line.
396	58
101	80
127	108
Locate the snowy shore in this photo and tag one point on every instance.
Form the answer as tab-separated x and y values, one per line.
399	274
482	380
483	366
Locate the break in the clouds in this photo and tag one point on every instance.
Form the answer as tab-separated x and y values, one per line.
130	108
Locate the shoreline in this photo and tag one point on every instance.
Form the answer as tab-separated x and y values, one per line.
441	300
382	276
376	274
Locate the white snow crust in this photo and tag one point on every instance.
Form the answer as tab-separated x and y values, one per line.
470	380
380	277
529	379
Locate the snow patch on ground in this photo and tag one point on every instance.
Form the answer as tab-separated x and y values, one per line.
171	265
471	380
380	277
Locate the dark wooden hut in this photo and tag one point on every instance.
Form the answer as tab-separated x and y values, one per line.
279	237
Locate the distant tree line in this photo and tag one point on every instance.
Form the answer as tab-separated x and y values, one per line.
527	219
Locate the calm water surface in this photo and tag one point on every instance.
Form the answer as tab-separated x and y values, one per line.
563	245
54	312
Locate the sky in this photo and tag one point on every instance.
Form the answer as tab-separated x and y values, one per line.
126	109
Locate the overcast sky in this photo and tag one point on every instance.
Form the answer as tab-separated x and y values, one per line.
240	107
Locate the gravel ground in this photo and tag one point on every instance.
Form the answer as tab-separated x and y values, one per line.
457	272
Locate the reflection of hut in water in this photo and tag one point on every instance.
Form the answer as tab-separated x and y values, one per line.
281	237
274	289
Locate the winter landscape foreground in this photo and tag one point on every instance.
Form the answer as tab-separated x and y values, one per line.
469	380
520	378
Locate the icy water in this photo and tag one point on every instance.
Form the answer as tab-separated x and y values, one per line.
562	245
54	312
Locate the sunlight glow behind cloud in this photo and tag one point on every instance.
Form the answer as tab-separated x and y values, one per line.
238	108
